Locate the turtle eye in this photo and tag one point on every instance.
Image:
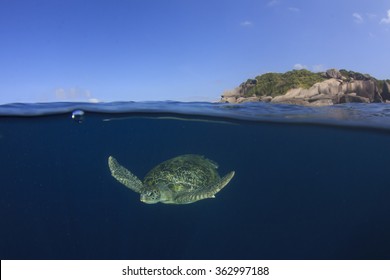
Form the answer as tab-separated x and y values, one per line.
151	194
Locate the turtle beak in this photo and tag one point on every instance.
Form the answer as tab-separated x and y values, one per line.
148	201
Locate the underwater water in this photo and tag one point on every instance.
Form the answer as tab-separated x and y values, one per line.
310	183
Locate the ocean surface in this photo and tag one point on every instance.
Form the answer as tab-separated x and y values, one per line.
310	183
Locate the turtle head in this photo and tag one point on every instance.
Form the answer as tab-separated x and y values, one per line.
150	195
160	193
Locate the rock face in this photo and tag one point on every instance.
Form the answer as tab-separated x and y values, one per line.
337	87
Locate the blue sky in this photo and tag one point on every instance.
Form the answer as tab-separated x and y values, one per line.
187	50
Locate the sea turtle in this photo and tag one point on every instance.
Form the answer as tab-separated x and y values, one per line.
180	180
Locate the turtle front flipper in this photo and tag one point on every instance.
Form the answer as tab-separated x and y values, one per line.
124	176
205	192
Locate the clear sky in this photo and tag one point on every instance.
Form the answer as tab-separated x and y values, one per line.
187	50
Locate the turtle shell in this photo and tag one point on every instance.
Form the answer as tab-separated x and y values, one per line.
183	174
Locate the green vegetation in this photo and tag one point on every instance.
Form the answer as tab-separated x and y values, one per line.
351	75
380	84
274	84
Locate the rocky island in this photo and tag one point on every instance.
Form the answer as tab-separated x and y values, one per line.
303	87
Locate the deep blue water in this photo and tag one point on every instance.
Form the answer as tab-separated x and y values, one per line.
310	183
